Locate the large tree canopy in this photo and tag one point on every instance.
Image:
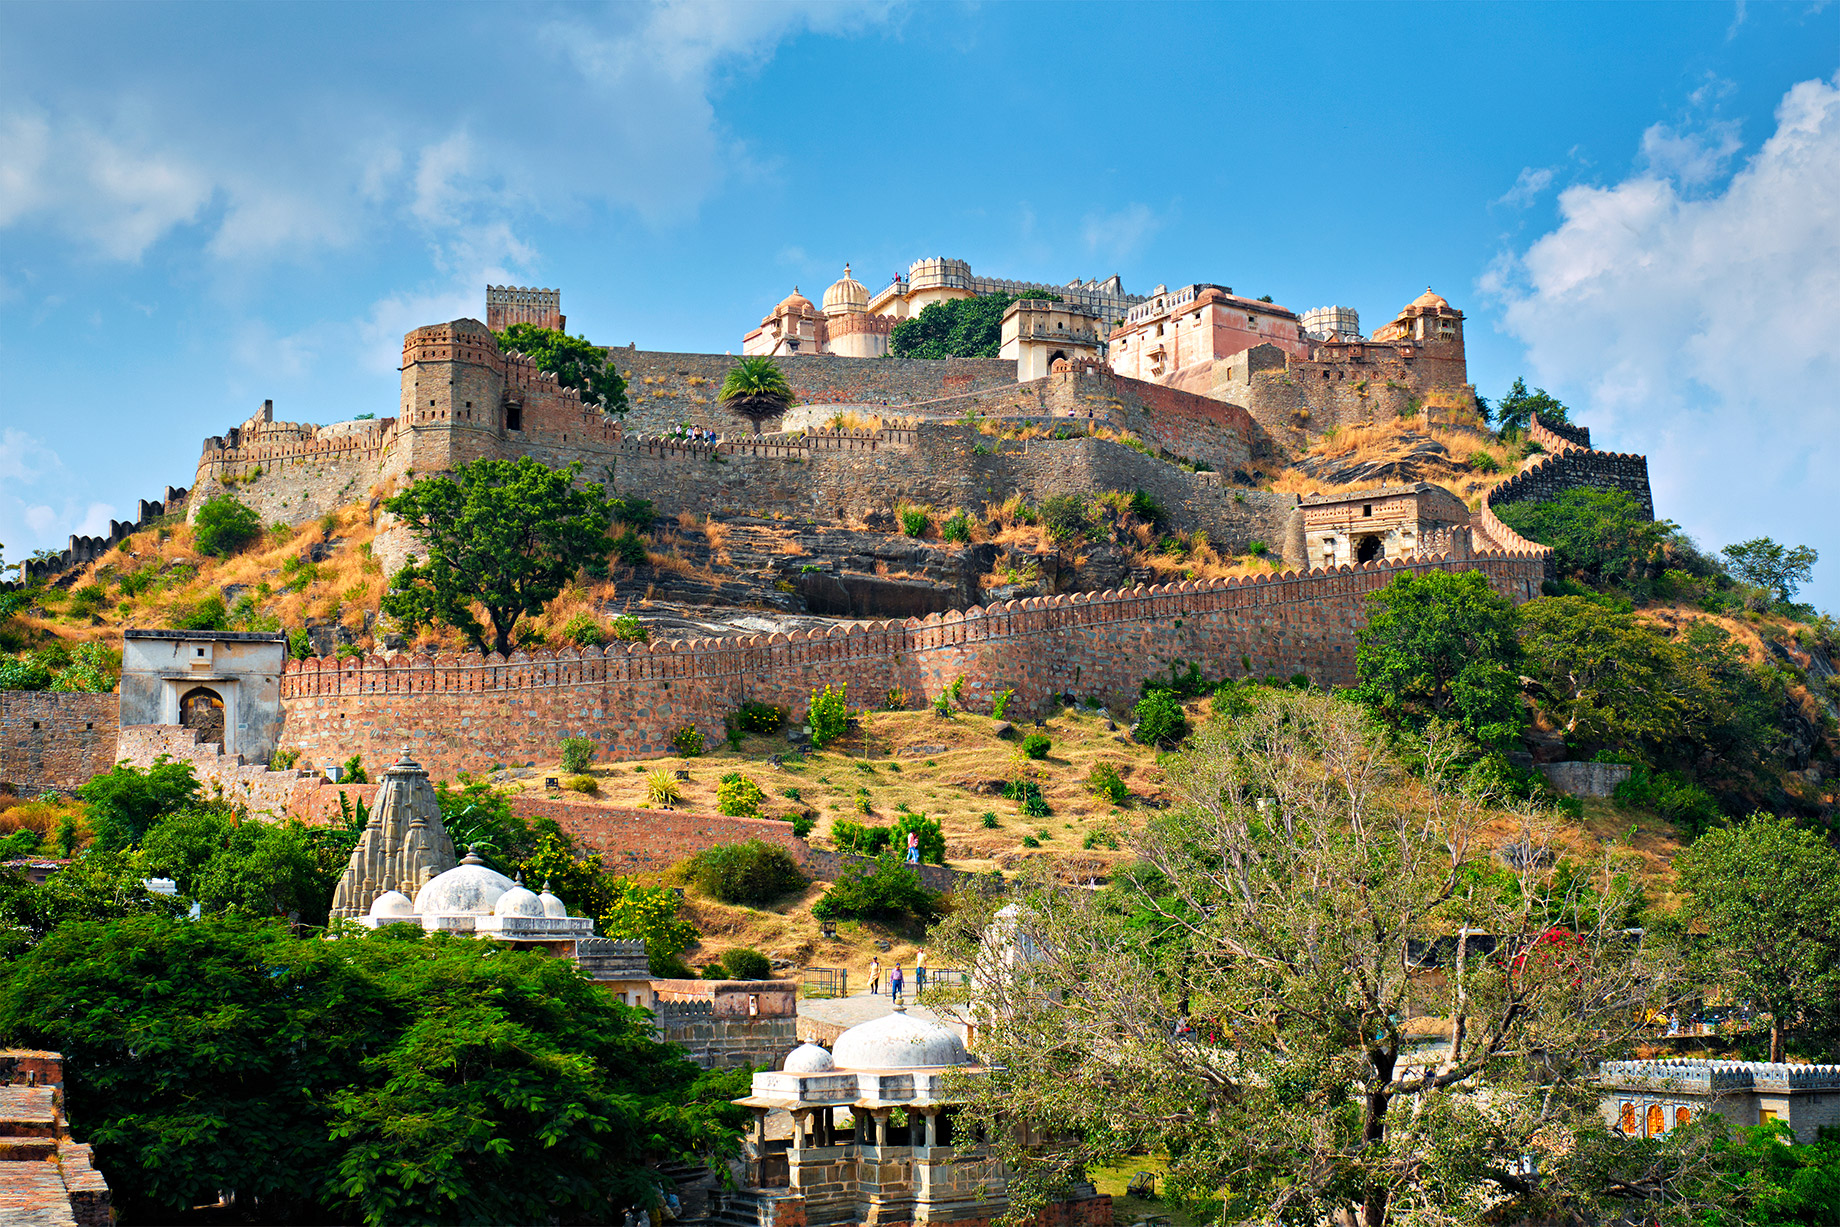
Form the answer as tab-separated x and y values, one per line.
755	388
1514	412
1600	536
1245	1000
574	361
1781	569
503	535
388	1078
957	327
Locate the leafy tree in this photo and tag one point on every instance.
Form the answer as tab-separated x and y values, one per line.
654	915
1781	569
1759	1177
505	535
477	814
97	885
224	525
581	882
829	714
573	361
932	837
958	328
94	668
756	389
1514	412
1607	678
742	963
1601	536
1160	718
260	869
1767	897
395	1077
125	801
1274	912
885	889
1442	646
752	873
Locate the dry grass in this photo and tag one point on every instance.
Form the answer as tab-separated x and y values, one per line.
1383	441
851	420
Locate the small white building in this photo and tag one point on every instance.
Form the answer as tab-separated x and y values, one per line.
1650	1098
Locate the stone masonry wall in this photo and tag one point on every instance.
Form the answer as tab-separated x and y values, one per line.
464	712
275	794
53	740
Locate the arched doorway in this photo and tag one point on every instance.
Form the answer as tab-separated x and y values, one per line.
1657	1120
1369	549
203	709
1626	1120
1682	1116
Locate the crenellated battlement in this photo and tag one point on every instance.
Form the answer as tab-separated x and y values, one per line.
1571	464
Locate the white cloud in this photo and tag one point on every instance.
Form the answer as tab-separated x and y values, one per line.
1118	235
1697	328
40	518
1690	158
1528	187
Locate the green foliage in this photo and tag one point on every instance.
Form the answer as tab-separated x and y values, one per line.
1514	412
755	388
989	819
581	882
577	754
1761	1177
629	550
957	328
1482	462
739	797
224	525
506	535
582	784
628	629
860	838
477	814
91	668
946	701
688	741
124	802
829	714
1027	796
1000	704
1067	517
757	718
1600	536
914	520
1442	646
96	885
1766	896
885	889
1781	569
932	837
957	528
742	963
402	1077
572	360
1037	745
258	869
1673	797
1160	720
584	631
752	874
1104	781
354	772
662	788
649	913
207	613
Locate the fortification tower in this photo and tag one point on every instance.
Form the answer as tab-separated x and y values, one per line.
515	304
1434	328
455	407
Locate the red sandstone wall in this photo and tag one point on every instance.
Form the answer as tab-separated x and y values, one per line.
651	839
466	712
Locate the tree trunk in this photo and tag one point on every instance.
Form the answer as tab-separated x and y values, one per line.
1776	1039
1373	1206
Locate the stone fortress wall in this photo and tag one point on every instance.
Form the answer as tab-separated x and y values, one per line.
1571	464
55	741
85	549
465	712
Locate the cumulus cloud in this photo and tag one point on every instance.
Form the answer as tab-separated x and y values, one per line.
1693	322
35	511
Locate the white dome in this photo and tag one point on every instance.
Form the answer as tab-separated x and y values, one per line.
846	296
393	904
809	1059
468	889
518	902
897	1041
553	906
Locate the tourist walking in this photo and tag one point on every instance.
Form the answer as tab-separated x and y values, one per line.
919	974
895	984
875	977
913	847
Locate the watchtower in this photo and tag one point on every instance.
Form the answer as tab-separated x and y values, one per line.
515	304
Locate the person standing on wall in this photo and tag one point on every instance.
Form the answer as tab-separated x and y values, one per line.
919	974
875	977
896	984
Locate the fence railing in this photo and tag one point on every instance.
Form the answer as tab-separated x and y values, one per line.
824	982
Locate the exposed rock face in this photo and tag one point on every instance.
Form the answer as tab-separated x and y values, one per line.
403	845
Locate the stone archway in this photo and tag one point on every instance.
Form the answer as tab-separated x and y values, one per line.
1369	548
202	709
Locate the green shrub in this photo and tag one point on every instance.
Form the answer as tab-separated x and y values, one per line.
662	788
205	614
1104	781
932	838
1000	704
577	754
88	600
629	549
990	820
1068	517
829	714
687	741
1029	841
886	890
957	528
628	629
947	701
915	521
584	632
802	824
1160	719
738	796
582	783
1258	549
1027	796
224	525
1482	462
1037	745
1673	797
754	717
860	838
744	964
750	874
300	644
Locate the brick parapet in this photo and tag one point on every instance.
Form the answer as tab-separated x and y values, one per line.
461	712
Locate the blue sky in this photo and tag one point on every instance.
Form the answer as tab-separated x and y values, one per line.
1637	206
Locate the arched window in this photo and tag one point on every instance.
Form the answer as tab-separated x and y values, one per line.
1657	1120
1626	1122
1682	1116
202	709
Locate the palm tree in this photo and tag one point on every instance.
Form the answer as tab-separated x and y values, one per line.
756	389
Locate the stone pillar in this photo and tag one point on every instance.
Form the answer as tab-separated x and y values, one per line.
880	1126
801	1121
929	1138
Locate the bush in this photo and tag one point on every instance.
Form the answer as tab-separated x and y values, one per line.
1680	801
1029	841
802	824
1000	704
1036	745
932	839
739	797
1067	517
1027	796
1104	781
206	614
629	549
1160	719
957	528
750	874
1258	549
744	964
577	754
990	820
753	717
1482	462
860	837
886	890
628	629
584	632
662	788
915	521
224	526
829	714
582	783
688	742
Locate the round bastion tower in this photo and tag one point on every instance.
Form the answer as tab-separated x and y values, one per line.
454	407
